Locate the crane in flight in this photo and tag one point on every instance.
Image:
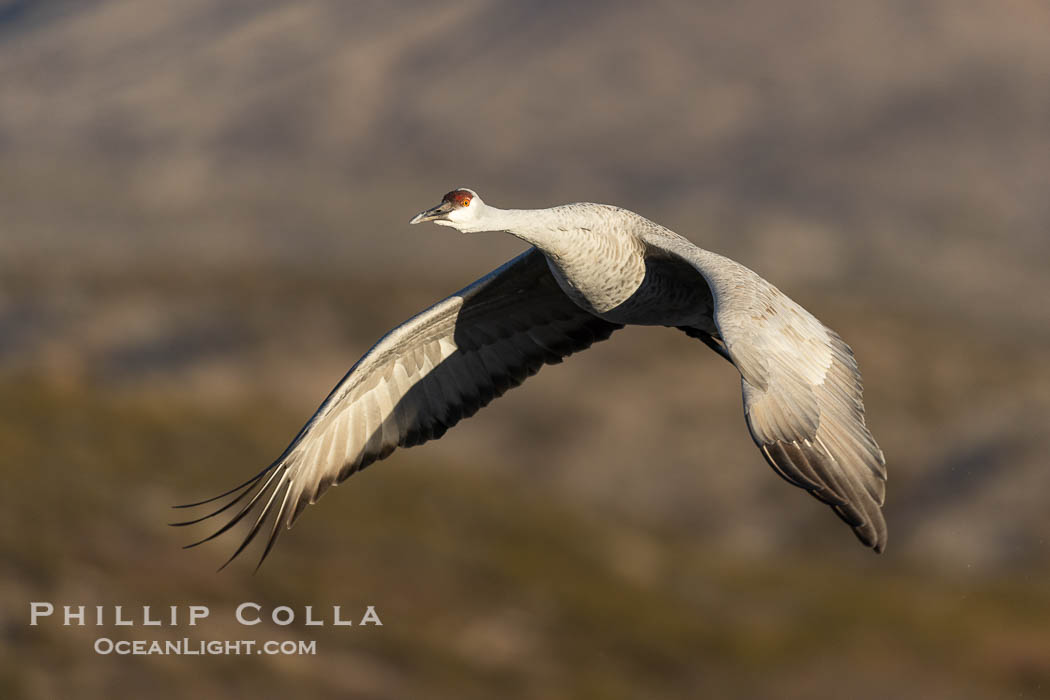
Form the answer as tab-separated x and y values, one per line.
590	270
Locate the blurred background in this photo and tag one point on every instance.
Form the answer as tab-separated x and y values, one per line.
203	223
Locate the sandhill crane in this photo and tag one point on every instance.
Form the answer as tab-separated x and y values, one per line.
591	269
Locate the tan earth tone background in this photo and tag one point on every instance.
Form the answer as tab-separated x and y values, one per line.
203	223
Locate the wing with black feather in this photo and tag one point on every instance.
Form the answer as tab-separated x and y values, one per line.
417	382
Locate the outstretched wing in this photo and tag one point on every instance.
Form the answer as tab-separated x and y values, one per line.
802	389
419	380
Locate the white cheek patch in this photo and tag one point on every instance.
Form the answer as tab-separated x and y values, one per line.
459	216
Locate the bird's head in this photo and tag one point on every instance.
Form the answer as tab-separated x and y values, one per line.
461	209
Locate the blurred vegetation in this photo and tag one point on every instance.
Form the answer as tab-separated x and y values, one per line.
487	584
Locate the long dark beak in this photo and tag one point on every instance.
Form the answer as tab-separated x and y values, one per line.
432	214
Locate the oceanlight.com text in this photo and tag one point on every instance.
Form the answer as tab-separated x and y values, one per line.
214	647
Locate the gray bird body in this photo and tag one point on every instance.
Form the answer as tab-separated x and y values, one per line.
593	269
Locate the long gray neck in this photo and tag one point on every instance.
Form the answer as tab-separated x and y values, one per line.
550	230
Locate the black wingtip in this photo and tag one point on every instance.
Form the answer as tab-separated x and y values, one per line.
281	487
258	491
220	496
226	507
880	544
235	489
259	564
